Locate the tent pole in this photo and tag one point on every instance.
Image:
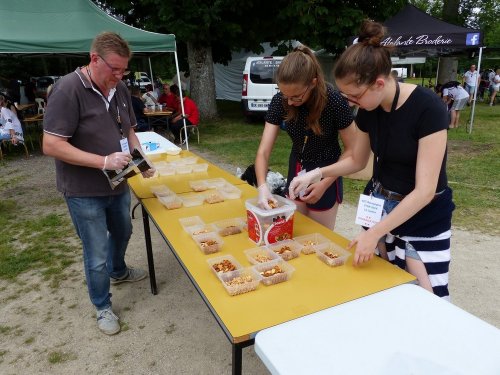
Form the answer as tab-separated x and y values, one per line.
437	71
151	73
471	120
182	101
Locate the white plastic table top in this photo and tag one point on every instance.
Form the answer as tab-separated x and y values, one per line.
401	330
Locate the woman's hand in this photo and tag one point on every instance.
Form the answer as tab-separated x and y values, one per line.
300	183
265	197
365	243
149	173
315	191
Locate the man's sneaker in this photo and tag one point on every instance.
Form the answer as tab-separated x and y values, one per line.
107	321
132	275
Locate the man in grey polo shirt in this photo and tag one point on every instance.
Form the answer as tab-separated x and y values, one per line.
88	127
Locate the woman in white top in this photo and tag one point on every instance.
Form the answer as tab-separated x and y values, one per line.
460	98
495	86
10	128
149	97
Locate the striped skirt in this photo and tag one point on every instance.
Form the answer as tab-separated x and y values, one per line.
434	252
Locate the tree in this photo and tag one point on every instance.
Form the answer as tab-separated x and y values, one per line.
210	29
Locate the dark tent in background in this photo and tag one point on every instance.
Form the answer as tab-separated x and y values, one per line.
416	33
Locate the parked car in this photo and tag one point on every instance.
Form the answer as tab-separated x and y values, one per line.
259	85
143	82
43	83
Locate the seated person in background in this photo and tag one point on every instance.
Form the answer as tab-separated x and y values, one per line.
192	115
10	128
138	107
453	91
168	99
149	97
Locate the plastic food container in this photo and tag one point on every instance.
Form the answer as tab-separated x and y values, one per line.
192	199
287	249
230	191
166	171
160	164
270	226
274	272
173	151
311	242
190	221
223	264
198	185
171	202
259	255
200	229
333	255
208	243
214	183
190	160
229	226
202	167
161	191
214	196
240	281
183	169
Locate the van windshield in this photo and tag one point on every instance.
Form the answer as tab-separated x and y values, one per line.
262	71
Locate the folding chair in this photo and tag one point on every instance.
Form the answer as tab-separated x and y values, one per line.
6	143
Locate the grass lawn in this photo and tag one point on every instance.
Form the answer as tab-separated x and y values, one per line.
473	160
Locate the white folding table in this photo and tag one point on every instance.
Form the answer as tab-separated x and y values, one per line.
401	330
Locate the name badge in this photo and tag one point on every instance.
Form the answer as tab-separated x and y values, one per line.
369	210
124	145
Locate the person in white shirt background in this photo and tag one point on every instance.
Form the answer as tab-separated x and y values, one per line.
470	81
10	128
459	96
494	86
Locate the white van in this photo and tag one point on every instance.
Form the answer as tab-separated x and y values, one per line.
259	84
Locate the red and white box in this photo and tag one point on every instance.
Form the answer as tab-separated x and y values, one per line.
270	226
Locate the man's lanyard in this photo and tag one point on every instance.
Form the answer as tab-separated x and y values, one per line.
381	142
118	119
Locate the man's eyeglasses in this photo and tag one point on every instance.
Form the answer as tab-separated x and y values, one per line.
298	98
115	71
355	98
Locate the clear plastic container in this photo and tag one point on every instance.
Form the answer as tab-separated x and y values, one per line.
287	249
160	164
229	226
240	281
311	242
192	199
190	221
171	202
214	183
201	229
213	196
198	185
274	272
223	264
258	255
202	167
166	171
333	255
173	151
190	160
270	226
161	191
230	191
208	243
183	169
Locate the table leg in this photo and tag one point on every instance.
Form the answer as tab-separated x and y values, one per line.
149	250
238	355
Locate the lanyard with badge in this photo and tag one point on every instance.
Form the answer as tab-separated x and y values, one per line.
370	208
123	141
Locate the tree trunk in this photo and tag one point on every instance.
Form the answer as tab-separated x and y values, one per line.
447	69
202	81
448	65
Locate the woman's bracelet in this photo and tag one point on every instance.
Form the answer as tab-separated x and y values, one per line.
105	160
